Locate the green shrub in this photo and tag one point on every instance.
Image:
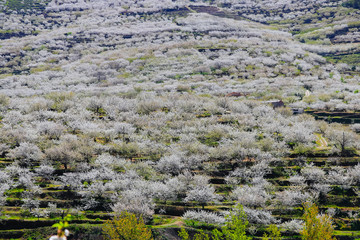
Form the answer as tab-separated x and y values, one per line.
211	139
126	227
234	229
274	233
197	224
316	227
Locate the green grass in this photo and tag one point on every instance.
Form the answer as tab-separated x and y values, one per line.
302	32
347	233
351	59
7	31
164	222
354	24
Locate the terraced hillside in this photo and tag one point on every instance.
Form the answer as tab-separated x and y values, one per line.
177	110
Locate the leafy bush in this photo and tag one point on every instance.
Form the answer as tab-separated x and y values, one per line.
199	225
234	228
316	227
126	226
303	150
274	233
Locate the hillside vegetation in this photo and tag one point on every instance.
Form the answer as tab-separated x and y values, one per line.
171	110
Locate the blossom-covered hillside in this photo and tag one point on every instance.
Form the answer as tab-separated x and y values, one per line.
177	110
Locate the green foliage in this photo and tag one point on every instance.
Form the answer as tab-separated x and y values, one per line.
198	224
63	224
303	150
316	227
160	220
204	115
59	98
201	236
274	233
354	24
217	235
250	67
352	59
125	149
234	229
126	226
184	234
211	139
25	213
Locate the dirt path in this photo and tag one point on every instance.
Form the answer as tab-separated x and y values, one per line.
321	141
179	223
